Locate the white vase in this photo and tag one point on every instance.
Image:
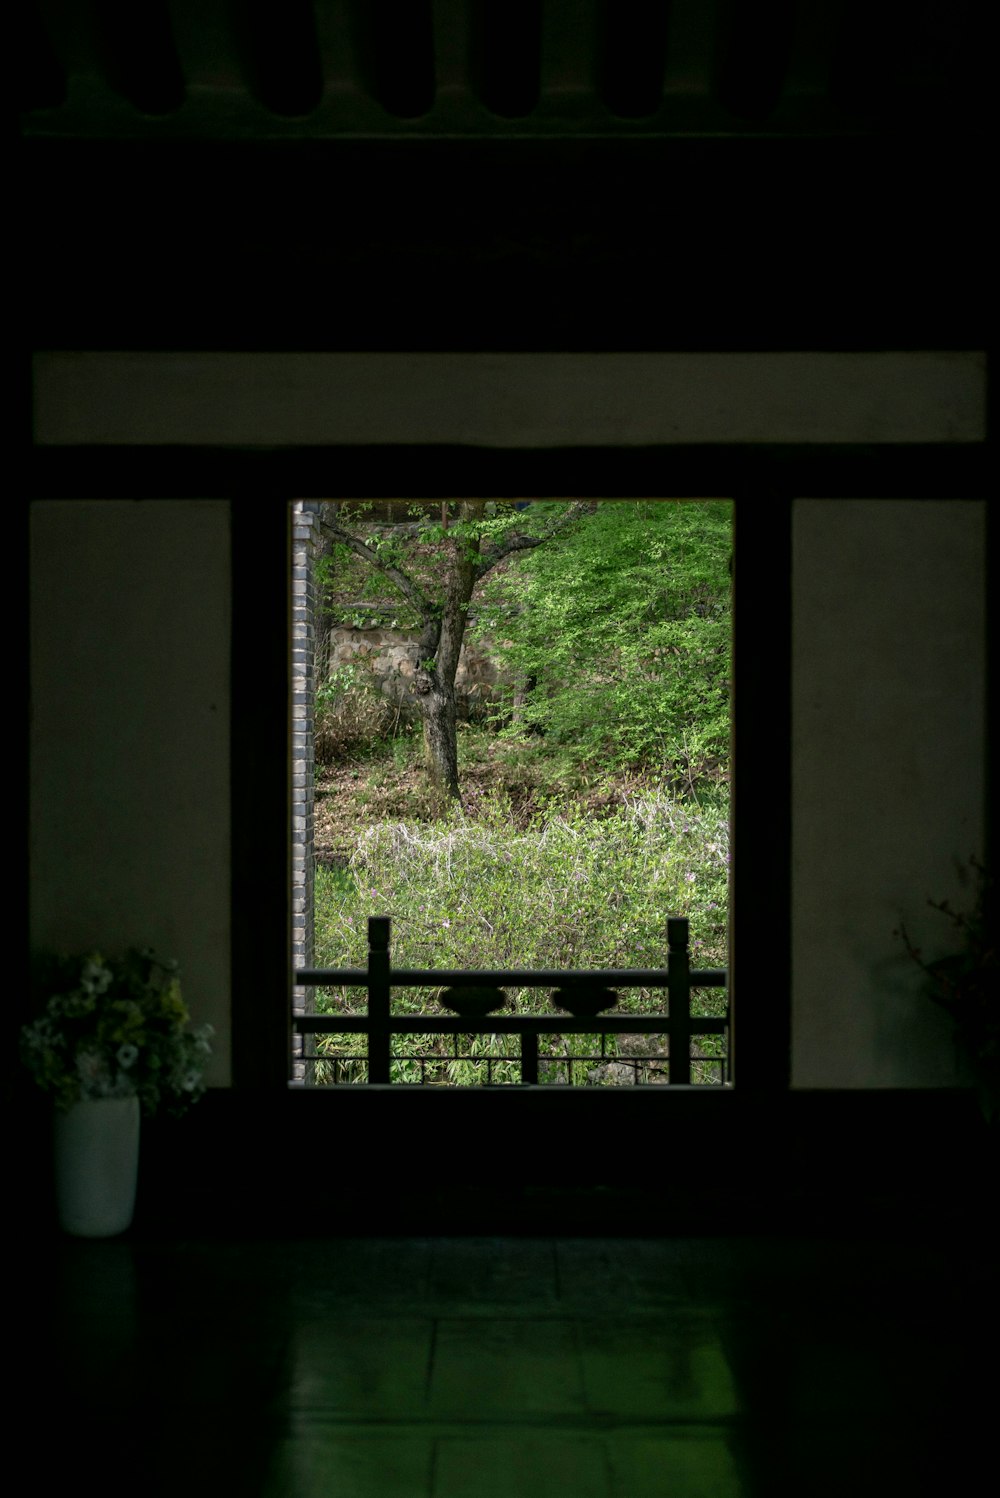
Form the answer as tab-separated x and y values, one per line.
96	1149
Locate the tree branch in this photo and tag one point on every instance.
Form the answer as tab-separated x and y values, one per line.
409	589
519	542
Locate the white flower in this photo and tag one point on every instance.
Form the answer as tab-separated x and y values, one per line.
95	977
75	1004
127	1055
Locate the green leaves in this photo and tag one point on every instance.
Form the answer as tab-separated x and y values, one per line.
620	630
613	635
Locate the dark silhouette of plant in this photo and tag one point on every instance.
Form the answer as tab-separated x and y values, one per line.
967	983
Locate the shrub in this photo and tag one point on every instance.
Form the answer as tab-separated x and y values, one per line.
623	630
352	715
567	891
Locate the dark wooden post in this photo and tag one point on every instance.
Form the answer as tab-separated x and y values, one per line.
379	1061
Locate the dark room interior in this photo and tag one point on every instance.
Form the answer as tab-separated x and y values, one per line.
388	249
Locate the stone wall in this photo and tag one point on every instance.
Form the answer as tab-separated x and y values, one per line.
394	655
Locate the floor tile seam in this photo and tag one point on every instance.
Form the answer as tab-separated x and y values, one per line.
877	1248
639	1318
301	1422
498	1311
693	1280
738	1427
749	1308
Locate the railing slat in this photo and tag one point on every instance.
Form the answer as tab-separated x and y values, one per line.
504	1024
529	1057
379	1000
679	998
414	977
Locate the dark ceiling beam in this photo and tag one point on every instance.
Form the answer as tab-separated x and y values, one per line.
127	46
280	55
507	55
631	55
42	77
920	69
923	471
656	244
394	46
755	44
207	45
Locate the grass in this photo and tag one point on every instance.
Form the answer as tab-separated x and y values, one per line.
548	864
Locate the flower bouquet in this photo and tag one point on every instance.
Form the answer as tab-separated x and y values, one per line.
113	1041
116	1028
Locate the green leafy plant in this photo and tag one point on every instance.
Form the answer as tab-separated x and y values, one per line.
618	638
966	983
352	714
115	1028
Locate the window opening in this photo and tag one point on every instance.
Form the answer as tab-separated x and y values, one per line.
593	822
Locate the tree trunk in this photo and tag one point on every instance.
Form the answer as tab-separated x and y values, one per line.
437	688
441	741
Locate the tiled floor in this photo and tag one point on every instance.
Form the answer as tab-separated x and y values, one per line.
503	1368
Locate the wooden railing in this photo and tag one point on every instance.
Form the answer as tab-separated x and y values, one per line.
380	1024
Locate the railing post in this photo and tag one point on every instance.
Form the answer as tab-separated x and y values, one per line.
679	996
379	1051
529	1057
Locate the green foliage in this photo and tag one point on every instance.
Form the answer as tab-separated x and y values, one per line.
352	716
345	580
567	891
622	624
419	545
